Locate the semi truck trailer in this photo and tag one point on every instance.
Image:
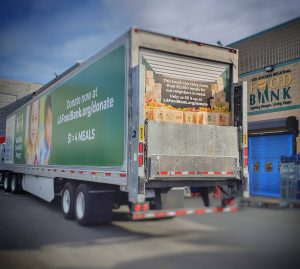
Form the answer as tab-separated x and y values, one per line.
146	117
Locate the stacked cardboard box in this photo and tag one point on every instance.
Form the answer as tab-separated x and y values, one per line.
218	86
189	117
176	116
218	103
155	110
224	118
152	89
207	118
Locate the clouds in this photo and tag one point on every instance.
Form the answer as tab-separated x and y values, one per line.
50	36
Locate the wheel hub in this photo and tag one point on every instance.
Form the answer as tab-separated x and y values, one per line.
66	201
80	205
13	184
5	183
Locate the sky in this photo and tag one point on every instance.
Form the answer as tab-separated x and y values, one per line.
39	38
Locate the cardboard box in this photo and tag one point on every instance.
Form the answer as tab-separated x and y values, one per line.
150	82
156	92
177	116
149	74
220	96
157	99
169	115
225	118
189	117
207	118
198	117
158	87
149	113
212	118
149	91
217	87
159	114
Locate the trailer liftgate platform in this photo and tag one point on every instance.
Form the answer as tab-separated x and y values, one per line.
134	125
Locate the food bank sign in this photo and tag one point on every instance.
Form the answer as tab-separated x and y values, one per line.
272	91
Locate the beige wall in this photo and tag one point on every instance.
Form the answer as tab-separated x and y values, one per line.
11	90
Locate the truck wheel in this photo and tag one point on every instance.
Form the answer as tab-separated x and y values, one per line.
93	205
68	200
14	184
6	183
82	214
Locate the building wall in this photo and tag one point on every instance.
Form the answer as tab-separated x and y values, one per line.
275	94
14	94
276	45
272	92
11	90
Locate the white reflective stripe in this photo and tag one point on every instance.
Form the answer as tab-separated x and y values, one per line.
209	210
190	211
171	213
183	212
191	173
150	215
227	209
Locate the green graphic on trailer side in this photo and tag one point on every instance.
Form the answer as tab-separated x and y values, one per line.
96	97
20	139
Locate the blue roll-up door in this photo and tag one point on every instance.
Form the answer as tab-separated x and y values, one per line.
264	158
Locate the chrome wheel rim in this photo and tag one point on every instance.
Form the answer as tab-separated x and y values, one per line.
66	201
13	184
80	205
5	183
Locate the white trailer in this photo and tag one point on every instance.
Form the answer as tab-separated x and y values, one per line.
145	117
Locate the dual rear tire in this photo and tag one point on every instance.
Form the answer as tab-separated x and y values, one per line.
12	183
67	200
87	204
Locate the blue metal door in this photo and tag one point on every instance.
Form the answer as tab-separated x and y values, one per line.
264	157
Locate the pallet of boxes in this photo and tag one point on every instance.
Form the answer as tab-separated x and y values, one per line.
216	114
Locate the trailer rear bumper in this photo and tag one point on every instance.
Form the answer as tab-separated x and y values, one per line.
157	214
192	182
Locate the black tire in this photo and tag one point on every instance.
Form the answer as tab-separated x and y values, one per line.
68	200
14	184
1	178
20	179
92	205
6	183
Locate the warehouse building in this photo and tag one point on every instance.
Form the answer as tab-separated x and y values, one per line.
13	94
12	90
270	63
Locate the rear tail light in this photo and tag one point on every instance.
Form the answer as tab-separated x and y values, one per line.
141	160
141	207
246	157
141	147
145	207
137	207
